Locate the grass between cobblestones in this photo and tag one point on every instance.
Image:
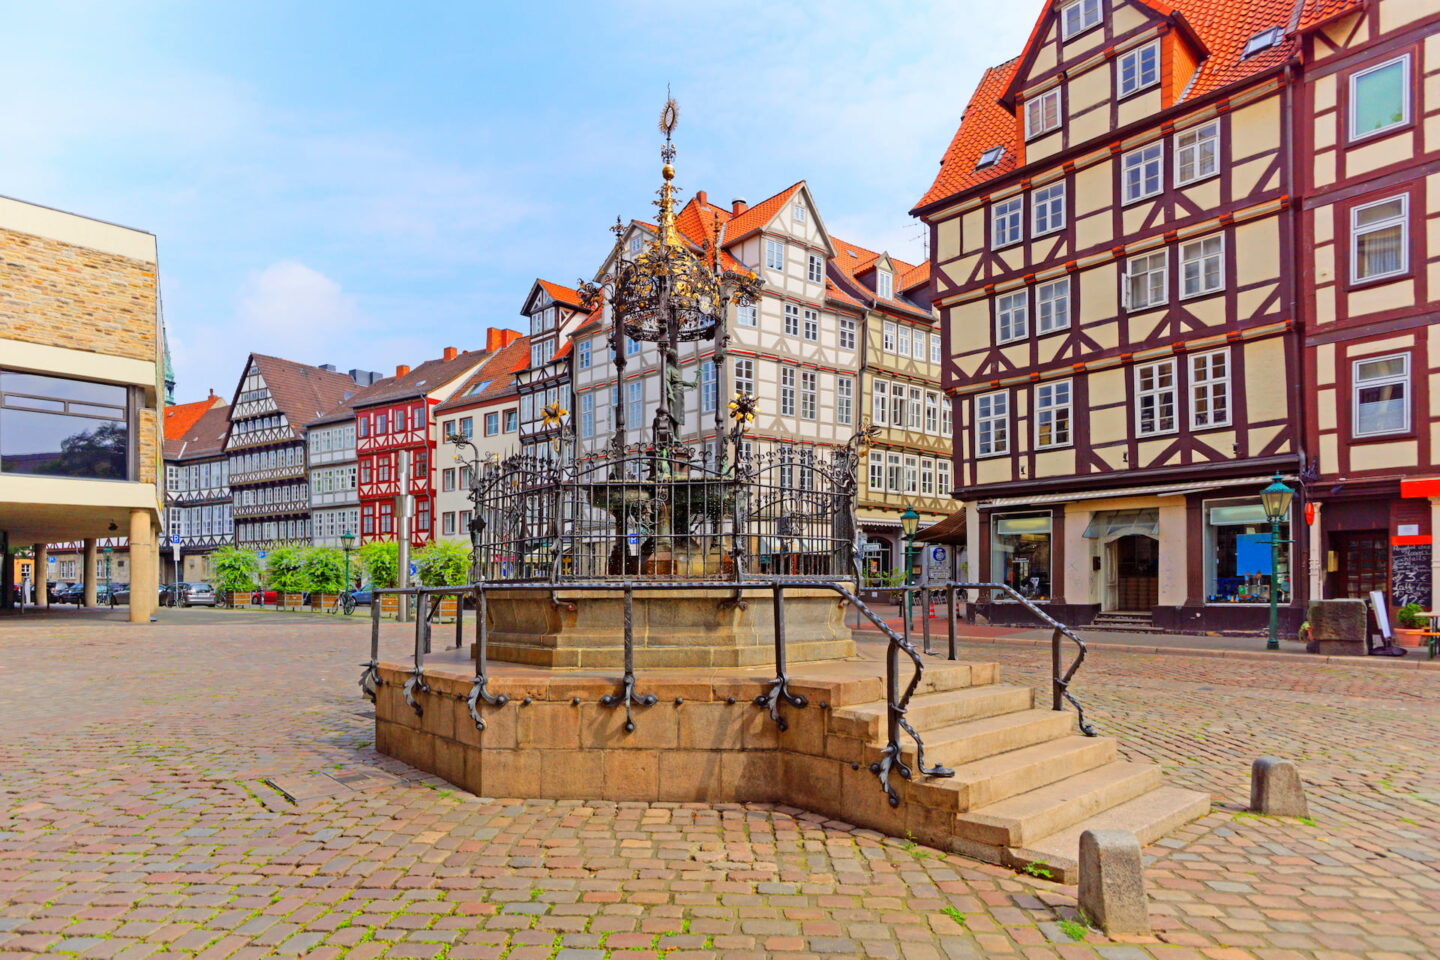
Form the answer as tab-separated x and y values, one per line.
135	823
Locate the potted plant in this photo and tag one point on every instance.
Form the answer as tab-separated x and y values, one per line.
381	562
324	570
443	563
236	572
1410	626
287	576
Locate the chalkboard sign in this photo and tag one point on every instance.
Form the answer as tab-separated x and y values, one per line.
1410	574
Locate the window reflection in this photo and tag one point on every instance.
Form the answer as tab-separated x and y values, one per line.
54	426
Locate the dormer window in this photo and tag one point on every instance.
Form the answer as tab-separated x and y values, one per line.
884	284
1263	40
1138	68
1042	113
989	158
1078	17
636	242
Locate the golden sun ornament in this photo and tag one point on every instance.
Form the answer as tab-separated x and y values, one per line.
742	409
553	414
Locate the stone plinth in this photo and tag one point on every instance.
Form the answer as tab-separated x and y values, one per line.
701	627
1338	626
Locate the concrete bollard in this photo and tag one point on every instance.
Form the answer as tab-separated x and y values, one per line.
1112	882
1276	789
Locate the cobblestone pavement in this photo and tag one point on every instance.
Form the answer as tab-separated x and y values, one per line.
135	821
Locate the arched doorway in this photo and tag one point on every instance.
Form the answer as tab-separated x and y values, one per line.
1134	573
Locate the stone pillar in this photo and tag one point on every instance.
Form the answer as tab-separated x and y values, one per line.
1317	554
42	574
92	558
144	577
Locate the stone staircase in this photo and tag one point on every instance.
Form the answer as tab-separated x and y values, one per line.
1026	782
1123	622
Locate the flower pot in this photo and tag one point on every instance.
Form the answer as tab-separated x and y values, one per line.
1409	637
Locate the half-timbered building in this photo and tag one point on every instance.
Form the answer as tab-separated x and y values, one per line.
333	477
1369	155
394	420
197	489
552	311
273	403
1112	239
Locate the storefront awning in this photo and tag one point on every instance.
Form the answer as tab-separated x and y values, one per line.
949	530
1159	490
1110	524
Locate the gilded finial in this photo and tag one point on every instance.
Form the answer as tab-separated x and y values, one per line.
669	117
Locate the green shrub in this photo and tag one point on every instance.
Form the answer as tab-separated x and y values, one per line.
381	561
285	570
236	569
1409	617
323	569
443	563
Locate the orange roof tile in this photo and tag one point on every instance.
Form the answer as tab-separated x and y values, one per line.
754	218
1221	27
1310	14
851	260
566	295
180	417
499	370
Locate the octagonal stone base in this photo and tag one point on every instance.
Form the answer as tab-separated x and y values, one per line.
701	627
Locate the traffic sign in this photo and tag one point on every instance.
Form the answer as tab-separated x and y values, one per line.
261	554
937	554
414	569
174	539
49	559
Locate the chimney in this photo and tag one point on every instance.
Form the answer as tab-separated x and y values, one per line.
401	369
738	206
497	338
700	197
328	366
450	353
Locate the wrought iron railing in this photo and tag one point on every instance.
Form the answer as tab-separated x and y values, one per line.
898	692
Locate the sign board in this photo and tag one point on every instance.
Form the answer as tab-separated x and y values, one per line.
261	554
1410	574
49	559
414	569
174	540
937	554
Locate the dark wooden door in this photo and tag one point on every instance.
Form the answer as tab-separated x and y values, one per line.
1138	581
1362	564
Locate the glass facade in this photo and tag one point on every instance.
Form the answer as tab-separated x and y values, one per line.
54	426
1020	553
1238	554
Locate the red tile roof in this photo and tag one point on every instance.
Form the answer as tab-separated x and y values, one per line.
419	382
754	218
500	369
563	294
852	260
180	417
204	437
301	391
1222	27
1310	14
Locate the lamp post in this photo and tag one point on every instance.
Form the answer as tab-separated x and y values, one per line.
909	526
1276	499
347	543
109	596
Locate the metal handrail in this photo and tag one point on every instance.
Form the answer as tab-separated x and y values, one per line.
777	690
1059	680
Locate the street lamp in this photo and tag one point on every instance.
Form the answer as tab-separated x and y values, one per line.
909	526
109	596
1276	499
347	543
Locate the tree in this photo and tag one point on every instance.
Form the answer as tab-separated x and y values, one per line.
443	563
381	561
286	574
323	569
236	569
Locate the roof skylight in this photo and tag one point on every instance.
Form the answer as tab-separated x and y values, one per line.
989	158
1263	40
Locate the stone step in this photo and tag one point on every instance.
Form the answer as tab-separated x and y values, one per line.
1149	816
1022	819
1005	775
945	675
971	740
932	711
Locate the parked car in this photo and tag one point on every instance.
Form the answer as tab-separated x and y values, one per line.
268	597
362	595
112	594
188	594
70	593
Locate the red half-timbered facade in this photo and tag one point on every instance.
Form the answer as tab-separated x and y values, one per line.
1111	237
1369	138
394	423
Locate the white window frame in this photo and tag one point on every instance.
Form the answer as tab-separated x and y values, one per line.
747	315
1150	155
877	471
884	284
1209	380
916	408
1022	298
587	415
880	403
935	348
902	340
582	355
847	333
1007	222
912	474
809	395
709	386
1190	143
844	401
797	212
1135	57
792	320
787	391
1158	394
932	412
1201	251
745	375
1089	15
1037	123
1356	385
1163	271
816	271
774	254
1051	409
1056	295
1356	232
1404	60
992	410
811	325
1047	209
888	336
927	477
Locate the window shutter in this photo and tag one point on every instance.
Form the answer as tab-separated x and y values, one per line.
1125	289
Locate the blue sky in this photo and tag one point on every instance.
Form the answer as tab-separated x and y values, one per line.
366	183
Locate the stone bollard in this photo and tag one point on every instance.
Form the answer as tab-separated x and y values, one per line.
1276	789
1112	882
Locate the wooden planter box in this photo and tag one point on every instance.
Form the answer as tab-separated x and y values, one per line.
291	600
323	601
389	605
447	609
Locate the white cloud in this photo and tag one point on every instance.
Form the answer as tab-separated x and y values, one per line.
289	303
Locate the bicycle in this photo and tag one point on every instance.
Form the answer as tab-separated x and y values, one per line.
344	603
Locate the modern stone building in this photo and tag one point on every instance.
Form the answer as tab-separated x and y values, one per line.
81	389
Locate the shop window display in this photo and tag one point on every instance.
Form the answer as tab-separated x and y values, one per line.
1238	555
1020	553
